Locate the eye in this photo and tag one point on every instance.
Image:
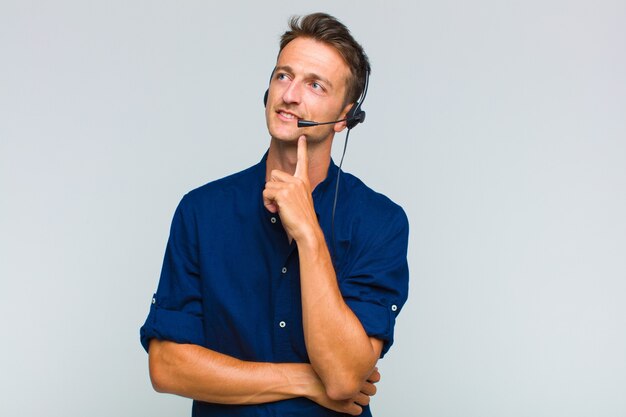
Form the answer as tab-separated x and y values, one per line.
281	76
317	87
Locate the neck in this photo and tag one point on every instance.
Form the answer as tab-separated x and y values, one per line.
284	156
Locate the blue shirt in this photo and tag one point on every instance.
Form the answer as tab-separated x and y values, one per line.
230	279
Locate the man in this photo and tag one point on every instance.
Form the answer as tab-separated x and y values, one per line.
272	301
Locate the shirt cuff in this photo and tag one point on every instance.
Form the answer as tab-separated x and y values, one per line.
171	325
377	320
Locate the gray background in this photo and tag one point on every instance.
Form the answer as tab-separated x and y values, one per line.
499	127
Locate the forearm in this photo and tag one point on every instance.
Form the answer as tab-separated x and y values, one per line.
202	374
340	351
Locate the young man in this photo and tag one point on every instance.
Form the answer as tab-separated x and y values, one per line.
271	301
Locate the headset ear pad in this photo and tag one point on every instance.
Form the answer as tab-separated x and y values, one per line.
355	116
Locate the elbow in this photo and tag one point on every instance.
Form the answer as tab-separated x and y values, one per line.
157	385
346	383
343	388
157	367
157	379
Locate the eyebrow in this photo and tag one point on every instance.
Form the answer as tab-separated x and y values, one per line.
310	75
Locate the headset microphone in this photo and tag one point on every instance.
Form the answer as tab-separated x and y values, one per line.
352	119
310	123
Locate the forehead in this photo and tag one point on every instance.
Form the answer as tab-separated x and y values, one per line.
307	55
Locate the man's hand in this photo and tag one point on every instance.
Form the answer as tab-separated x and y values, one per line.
290	196
353	406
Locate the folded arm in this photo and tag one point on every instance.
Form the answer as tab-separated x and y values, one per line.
339	349
196	372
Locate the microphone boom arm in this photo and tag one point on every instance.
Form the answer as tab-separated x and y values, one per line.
310	123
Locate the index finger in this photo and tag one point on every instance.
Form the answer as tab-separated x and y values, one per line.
302	164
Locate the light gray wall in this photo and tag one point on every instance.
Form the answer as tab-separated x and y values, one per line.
499	126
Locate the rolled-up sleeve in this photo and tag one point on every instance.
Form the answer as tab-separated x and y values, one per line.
176	308
375	284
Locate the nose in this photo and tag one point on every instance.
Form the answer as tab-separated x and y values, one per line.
293	93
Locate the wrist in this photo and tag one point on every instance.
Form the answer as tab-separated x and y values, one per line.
302	380
311	239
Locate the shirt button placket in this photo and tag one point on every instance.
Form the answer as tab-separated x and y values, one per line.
283	309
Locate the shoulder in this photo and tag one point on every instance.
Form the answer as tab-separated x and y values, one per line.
225	189
368	205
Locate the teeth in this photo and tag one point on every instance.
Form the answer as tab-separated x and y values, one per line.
287	115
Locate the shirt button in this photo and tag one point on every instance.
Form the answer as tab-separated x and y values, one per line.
273	219
153	300
282	324
394	307
284	270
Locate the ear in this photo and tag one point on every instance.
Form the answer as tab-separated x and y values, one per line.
338	127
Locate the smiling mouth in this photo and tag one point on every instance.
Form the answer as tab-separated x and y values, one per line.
289	116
